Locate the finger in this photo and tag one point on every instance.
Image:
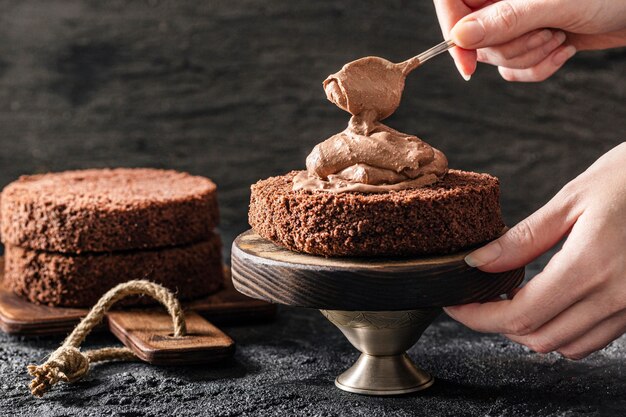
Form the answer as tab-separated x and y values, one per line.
477	4
598	338
449	12
529	238
538	302
542	71
608	40
504	21
519	46
567	327
566	280
523	52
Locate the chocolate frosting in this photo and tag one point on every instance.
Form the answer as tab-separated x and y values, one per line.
369	83
369	156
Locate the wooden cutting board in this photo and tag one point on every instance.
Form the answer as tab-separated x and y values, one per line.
20	317
149	335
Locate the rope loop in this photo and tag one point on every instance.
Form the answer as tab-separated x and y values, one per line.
69	364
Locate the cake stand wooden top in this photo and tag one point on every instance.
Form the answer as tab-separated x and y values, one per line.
263	270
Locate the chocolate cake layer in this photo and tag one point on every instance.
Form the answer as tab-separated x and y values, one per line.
80	280
103	210
460	211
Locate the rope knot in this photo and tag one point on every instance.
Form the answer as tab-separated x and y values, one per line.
72	364
66	364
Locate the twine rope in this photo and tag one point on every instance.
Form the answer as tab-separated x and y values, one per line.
69	364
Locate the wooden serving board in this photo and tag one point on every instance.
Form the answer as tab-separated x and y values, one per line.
269	272
149	335
227	306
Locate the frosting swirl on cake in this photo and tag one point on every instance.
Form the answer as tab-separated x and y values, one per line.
369	156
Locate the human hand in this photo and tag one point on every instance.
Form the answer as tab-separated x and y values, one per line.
577	304
528	40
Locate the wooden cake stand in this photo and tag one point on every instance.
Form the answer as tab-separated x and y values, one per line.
382	306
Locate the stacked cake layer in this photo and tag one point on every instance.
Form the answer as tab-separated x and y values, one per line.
460	211
71	236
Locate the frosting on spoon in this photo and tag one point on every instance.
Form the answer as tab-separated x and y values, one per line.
369	83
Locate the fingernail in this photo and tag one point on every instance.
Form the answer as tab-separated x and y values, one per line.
450	310
468	33
461	70
539	39
563	55
560	37
484	255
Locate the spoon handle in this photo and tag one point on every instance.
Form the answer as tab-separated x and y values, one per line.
412	63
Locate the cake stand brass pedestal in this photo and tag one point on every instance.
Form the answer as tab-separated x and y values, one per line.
382	306
383	337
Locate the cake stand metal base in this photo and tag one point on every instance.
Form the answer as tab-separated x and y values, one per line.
382	306
384	375
383	337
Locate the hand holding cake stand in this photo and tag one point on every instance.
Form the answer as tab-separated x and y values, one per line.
382	306
371	191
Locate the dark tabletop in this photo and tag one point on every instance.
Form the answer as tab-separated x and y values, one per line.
287	368
231	89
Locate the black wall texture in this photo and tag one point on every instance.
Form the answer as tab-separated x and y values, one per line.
232	90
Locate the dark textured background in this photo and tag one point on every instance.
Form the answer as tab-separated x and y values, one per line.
232	90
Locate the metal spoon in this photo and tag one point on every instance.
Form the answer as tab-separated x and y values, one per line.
412	63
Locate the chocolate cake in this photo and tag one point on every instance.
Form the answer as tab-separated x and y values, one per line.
71	236
459	211
80	280
371	190
102	210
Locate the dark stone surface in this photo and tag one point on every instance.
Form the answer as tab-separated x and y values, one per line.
287	367
232	90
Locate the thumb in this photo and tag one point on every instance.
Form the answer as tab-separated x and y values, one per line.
503	21
528	239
